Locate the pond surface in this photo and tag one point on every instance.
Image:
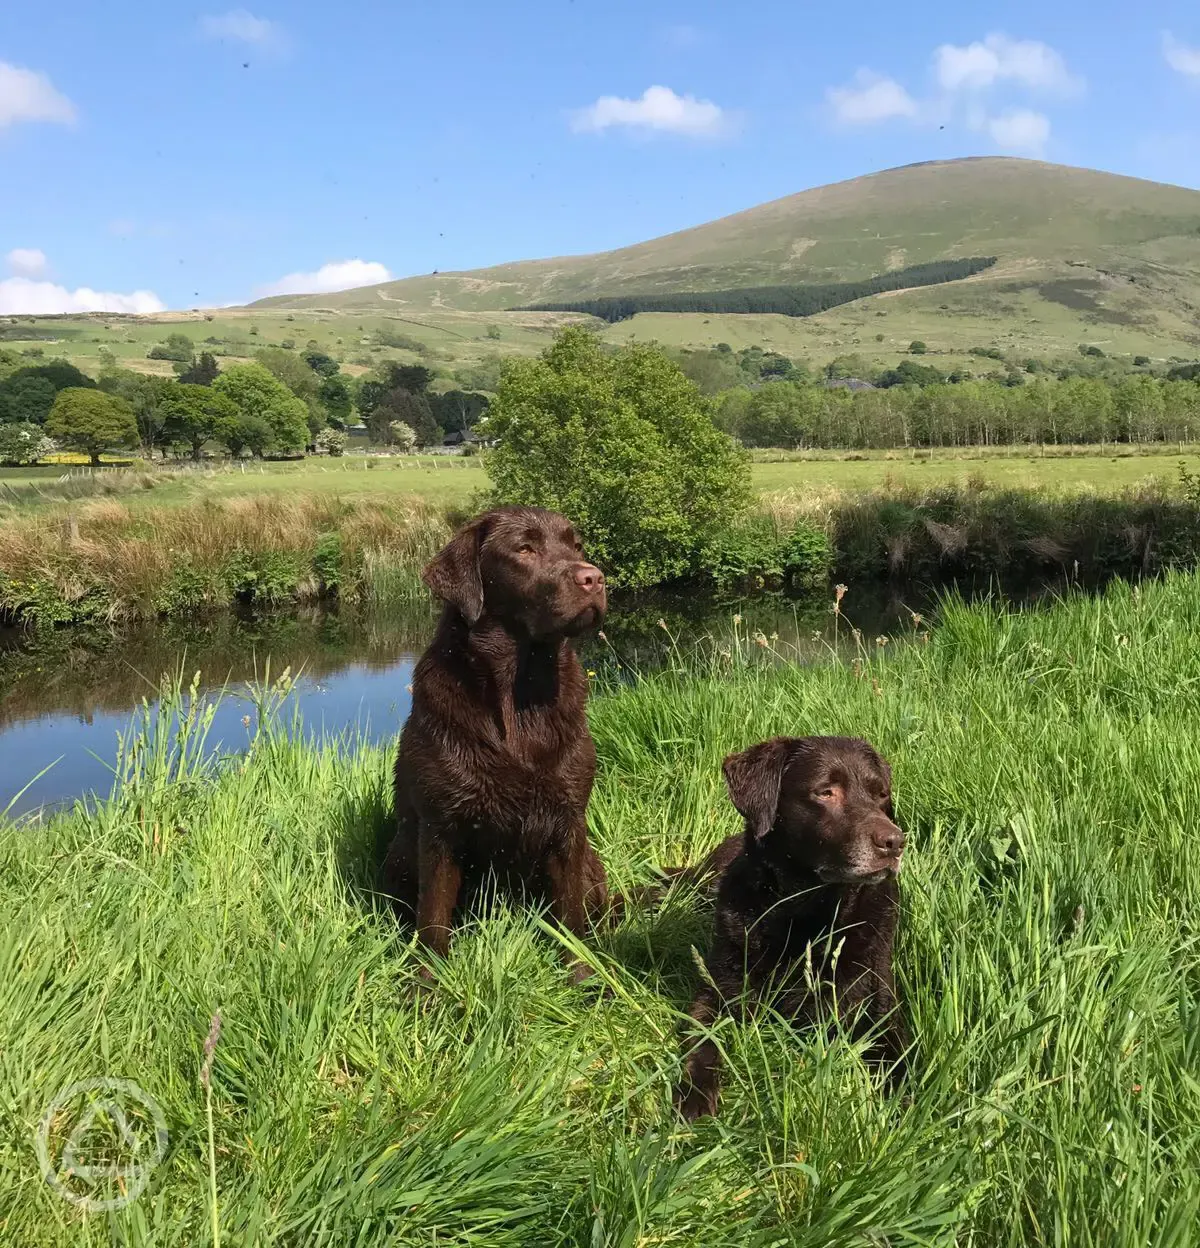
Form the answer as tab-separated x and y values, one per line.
65	695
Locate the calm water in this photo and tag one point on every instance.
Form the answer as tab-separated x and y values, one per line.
65	696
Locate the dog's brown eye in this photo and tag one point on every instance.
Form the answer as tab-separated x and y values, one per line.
827	792
525	549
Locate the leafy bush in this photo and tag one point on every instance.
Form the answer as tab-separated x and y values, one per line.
622	443
24	443
807	557
917	347
327	561
385	336
331	442
754	554
402	435
177	347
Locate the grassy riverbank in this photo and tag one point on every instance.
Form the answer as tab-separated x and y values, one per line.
1048	772
128	558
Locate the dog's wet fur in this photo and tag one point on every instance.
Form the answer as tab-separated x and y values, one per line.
813	874
495	764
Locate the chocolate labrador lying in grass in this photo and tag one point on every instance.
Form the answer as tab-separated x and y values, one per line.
814	870
496	763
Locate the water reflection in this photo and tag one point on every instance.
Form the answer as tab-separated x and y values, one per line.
65	695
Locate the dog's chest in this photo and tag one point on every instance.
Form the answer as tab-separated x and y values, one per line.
530	791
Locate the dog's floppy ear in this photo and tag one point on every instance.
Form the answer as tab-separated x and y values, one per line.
753	778
453	574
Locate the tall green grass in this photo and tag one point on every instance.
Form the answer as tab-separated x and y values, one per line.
1047	769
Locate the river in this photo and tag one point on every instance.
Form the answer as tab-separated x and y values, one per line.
66	694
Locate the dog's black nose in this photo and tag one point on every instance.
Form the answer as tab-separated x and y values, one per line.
888	838
589	577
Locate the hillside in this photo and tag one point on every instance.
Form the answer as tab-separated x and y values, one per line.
1082	257
1112	249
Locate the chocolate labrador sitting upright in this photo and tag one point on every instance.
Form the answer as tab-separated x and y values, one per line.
496	763
806	898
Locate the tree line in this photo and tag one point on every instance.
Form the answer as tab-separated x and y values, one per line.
799	300
1135	408
279	404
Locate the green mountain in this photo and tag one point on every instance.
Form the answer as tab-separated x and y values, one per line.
1094	242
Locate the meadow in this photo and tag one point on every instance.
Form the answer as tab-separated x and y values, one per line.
1047	772
454	479
124	544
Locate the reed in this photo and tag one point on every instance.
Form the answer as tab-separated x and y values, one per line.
108	560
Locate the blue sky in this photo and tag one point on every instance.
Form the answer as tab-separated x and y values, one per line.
158	155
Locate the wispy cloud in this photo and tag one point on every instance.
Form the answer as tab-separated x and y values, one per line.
26	95
870	98
26	261
999	59
1020	131
981	86
1180	56
337	275
659	110
241	26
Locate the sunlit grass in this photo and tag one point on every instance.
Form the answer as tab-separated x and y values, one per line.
1047	770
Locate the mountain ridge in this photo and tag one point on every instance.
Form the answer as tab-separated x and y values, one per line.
1108	247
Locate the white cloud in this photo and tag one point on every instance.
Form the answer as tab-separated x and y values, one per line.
1020	130
1181	58
659	109
998	59
871	98
26	261
337	275
980	87
20	296
26	95
241	27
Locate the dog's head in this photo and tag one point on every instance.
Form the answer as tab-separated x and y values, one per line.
523	566
823	804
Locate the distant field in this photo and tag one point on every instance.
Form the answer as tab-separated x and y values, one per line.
949	319
1103	473
440	478
443	342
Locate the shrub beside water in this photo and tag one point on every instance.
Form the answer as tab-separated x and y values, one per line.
622	442
760	554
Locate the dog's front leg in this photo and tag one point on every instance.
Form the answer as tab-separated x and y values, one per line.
439	881
698	1090
566	869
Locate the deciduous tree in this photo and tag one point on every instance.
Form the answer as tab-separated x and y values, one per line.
91	421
